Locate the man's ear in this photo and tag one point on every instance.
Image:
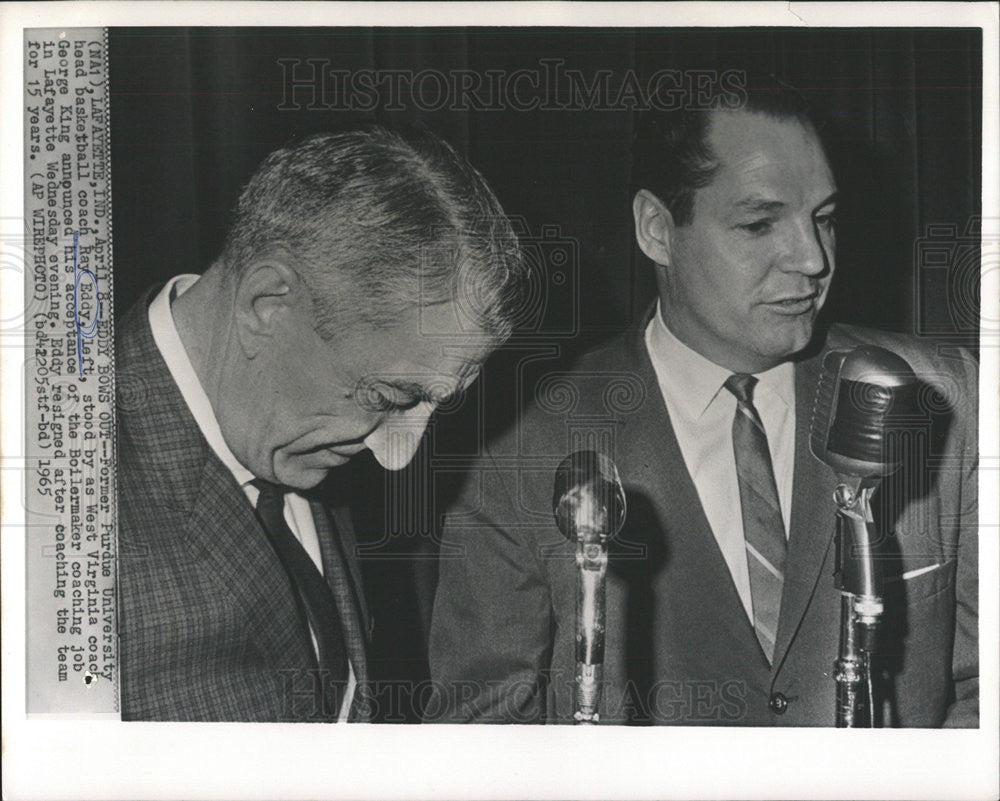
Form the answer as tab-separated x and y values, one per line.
654	226
267	297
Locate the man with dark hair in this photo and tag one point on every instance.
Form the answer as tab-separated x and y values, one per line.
721	604
365	278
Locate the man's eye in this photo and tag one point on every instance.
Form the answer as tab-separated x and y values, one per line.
826	220
374	400
404	404
378	398
757	226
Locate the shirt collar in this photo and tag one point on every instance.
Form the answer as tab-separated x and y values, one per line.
696	381
168	341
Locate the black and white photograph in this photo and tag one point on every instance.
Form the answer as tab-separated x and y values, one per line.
598	368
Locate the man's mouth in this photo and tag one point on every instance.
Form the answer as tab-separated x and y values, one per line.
794	305
332	457
346	452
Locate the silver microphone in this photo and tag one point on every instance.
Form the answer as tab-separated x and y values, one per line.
588	502
865	398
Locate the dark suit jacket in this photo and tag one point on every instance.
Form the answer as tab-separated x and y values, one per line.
679	646
207	619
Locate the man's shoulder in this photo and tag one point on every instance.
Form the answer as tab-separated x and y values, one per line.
614	360
134	342
157	436
606	379
945	366
608	382
842	336
145	391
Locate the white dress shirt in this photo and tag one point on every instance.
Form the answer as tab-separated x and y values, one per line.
298	514
701	411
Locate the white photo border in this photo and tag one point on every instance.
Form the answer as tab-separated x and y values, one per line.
93	758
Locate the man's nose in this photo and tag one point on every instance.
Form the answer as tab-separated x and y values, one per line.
807	253
394	442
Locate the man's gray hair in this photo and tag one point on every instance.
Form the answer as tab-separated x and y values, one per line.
396	212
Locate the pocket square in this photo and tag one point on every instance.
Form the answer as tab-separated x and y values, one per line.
911	574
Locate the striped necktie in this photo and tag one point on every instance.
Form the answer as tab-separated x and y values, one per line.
763	527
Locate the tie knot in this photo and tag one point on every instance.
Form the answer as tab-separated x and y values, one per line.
741	385
269	493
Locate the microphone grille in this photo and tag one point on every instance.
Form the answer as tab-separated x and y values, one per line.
588	498
865	398
822	415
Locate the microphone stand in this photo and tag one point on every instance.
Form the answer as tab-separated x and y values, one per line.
588	502
592	568
858	576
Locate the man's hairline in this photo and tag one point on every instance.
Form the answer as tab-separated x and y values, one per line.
802	119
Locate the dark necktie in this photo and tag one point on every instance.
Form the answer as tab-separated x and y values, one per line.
313	596
763	528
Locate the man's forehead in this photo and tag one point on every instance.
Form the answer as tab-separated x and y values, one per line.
759	154
432	356
450	377
747	129
452	351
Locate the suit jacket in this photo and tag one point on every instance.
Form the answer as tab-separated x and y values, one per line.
679	646
207	618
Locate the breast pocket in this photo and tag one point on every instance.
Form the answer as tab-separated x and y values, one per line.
919	611
926	582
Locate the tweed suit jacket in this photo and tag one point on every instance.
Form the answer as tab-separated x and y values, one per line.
207	618
679	646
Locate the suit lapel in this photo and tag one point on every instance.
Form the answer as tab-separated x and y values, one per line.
813	514
652	457
224	529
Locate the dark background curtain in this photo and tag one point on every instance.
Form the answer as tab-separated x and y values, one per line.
194	110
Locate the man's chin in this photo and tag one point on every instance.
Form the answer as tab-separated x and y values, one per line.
304	477
797	331
788	343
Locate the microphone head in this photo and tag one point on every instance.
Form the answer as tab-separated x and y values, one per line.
588	500
865	396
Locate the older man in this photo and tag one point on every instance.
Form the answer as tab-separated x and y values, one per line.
337	319
721	605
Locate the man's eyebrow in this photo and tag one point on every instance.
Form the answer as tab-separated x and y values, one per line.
417	391
411	388
466	374
758	204
763	204
830	200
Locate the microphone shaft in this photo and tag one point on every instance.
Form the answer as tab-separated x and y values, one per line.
850	672
859	579
592	568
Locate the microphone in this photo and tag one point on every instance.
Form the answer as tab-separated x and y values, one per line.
864	397
588	503
864	400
